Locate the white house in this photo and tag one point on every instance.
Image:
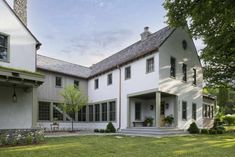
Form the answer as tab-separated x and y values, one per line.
158	76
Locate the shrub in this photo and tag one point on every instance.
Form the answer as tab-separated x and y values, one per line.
212	131
220	131
193	129
204	131
96	130
229	120
148	121
110	128
102	131
220	128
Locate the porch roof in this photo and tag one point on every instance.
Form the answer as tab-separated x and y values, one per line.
20	77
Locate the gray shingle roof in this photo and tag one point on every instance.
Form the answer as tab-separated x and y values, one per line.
132	52
140	48
63	67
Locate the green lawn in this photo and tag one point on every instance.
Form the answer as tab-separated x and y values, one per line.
111	146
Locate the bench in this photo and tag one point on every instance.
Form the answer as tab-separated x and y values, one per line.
138	123
54	127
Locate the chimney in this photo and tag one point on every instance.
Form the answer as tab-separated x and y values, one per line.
20	8
145	34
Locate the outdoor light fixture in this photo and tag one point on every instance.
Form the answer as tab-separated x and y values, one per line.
14	97
184	44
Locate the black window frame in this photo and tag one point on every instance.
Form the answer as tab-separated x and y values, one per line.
56	114
173	67
137	111
82	114
110	79
76	84
128	73
5	46
194	111
44	111
91	113
184	110
150	65
60	79
96	83
194	76
184	71
112	111
97	112
104	112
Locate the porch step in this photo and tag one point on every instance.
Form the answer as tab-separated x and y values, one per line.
153	131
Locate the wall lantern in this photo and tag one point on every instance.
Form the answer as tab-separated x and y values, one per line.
184	44
14	97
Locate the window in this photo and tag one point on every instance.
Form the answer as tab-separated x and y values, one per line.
71	115
104	112
3	47
194	111
173	63
90	113
58	81
96	83
184	70
137	111
44	111
109	79
150	65
184	110
82	114
212	111
205	110
97	112
209	111
76	83
127	73
57	113
194	76
112	111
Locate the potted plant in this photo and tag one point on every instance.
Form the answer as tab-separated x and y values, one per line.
169	120
148	121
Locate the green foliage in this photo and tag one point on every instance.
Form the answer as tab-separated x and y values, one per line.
110	128
193	129
213	22
102	130
212	131
148	121
204	131
169	119
229	120
96	130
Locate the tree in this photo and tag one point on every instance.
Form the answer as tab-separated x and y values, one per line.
213	21
74	100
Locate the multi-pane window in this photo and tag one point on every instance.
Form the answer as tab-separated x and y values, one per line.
3	47
194	111
205	110
97	112
112	111
184	110
104	112
173	64
90	113
96	83
44	111
209	111
82	114
76	83
184	70
57	113
137	111
194	76
58	81
212	111
150	65
127	72
109	79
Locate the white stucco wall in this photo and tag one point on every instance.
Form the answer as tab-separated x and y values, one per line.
15	115
21	43
184	90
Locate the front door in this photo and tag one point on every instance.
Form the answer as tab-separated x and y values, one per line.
162	116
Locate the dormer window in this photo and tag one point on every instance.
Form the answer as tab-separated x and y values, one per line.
3	48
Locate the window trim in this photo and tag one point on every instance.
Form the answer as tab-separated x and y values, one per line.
96	86
61	86
108	83
147	66
174	77
184	119
194	76
184	72
8	48
127	78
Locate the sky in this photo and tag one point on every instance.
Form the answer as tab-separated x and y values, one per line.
86	31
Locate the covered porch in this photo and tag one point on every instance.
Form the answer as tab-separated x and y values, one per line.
152	110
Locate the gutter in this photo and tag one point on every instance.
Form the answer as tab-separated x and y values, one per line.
120	95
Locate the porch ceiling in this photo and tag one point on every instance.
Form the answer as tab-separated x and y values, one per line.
145	96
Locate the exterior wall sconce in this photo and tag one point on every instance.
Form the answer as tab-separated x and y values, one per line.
14	97
184	44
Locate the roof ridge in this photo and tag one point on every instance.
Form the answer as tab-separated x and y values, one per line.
63	61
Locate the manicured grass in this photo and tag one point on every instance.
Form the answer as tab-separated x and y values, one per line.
111	146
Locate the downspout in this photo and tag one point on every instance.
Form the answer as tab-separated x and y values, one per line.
120	94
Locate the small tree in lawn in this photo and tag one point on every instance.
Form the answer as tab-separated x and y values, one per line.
74	100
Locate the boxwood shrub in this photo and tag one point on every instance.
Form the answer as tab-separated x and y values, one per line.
204	131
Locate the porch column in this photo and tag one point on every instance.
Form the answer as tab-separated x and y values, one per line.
158	108
34	107
129	112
